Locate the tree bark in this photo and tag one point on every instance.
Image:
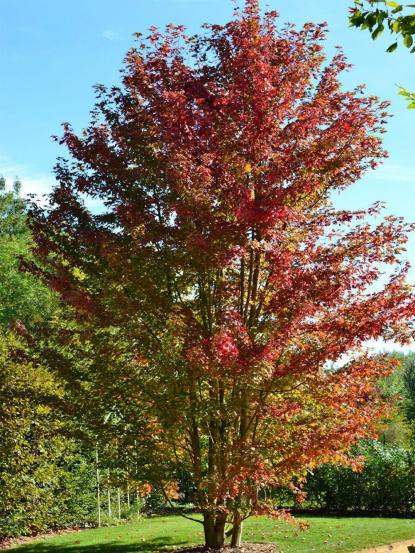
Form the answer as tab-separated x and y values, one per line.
214	528
236	532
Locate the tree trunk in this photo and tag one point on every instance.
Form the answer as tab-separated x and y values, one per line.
214	530
236	532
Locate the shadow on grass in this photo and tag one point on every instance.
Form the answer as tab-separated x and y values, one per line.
318	513
71	546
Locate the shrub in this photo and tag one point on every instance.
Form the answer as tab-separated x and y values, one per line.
386	484
46	480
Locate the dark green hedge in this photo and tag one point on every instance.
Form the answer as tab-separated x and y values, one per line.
386	484
46	480
53	489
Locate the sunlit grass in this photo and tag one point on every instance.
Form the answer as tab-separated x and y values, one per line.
148	535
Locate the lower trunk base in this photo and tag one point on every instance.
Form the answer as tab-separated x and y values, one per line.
236	534
214	532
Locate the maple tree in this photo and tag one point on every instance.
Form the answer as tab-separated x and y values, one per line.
223	297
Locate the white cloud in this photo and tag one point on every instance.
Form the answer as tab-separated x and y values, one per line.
394	173
32	183
39	184
388	346
371	347
192	1
110	35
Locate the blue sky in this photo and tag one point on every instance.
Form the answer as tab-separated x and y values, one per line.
52	53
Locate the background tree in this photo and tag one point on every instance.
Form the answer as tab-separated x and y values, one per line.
22	297
398	390
409	391
46	476
394	428
219	285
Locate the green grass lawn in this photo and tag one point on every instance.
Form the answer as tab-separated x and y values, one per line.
149	535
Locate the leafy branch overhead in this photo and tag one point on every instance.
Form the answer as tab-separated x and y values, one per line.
409	96
376	16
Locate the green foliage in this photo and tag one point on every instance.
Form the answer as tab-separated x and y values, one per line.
409	97
409	390
399	390
376	15
395	429
46	481
22	297
155	502
386	483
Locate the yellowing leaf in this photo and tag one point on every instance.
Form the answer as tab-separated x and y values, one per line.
78	274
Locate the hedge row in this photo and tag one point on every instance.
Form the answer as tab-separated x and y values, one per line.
385	485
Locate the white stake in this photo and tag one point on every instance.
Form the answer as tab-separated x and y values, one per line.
98	487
